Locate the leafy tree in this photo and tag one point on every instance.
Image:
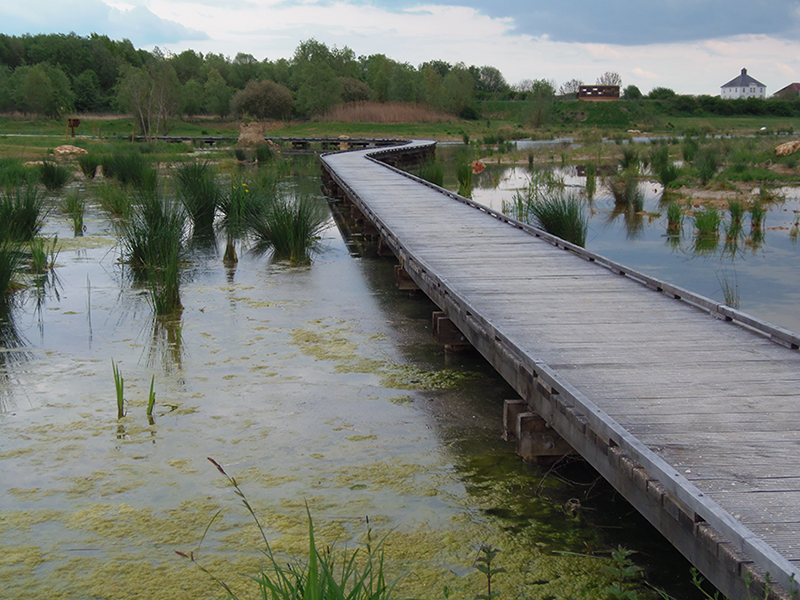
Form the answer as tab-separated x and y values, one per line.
570	88
492	80
378	72
44	90
354	90
458	89
217	94
430	86
88	95
220	64
6	95
609	78
440	67
542	89
151	93
403	84
318	91
192	98
632	93
661	93
263	100
244	68
188	65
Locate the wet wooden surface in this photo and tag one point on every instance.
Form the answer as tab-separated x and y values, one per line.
716	401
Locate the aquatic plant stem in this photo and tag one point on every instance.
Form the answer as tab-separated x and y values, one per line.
119	383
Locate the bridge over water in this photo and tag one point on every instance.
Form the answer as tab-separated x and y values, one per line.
689	408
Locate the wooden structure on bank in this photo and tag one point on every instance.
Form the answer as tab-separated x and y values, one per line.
689	408
598	93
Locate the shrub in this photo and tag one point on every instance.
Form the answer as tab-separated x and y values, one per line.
263	100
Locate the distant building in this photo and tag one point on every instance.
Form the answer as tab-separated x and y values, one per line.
743	86
789	92
598	92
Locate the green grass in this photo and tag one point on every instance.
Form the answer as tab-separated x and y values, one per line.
289	227
130	167
13	173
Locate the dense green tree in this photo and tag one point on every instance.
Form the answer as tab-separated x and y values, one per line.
6	91
430	86
88	95
244	68
318	91
403	83
632	93
458	88
263	100
220	63
188	65
192	98
378	72
43	90
440	67
217	94
661	93
492	80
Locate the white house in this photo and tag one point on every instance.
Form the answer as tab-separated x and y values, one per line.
743	86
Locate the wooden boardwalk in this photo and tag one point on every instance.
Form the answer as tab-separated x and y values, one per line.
689	408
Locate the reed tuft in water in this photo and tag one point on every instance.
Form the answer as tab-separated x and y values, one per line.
562	215
74	206
196	187
53	175
290	227
23	211
119	385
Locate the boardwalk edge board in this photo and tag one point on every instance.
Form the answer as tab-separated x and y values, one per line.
523	371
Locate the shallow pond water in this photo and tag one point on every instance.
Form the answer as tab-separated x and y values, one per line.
317	387
763	274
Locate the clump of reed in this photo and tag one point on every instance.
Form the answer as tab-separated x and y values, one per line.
432	171
757	215
560	214
131	168
730	289
153	242
323	574
23	211
11	259
74	206
707	222
707	162
114	200
464	176
43	255
591	180
119	385
629	158
265	154
197	189
736	212
674	219
689	149
624	187
53	175
88	164
289	226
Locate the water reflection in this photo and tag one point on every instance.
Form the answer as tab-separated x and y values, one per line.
165	343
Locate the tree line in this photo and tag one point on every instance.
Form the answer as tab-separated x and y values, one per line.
57	74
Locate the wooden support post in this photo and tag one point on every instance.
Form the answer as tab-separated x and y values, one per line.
511	408
403	280
537	442
445	332
383	248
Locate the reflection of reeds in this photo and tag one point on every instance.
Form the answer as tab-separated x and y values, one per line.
624	186
432	171
591	180
165	346
757	214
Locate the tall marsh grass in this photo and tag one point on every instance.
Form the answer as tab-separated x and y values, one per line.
624	187
153	243
130	167
13	173
74	206
53	175
114	200
674	219
432	171
88	164
562	215
23	211
289	226
384	112
196	187
11	259
707	222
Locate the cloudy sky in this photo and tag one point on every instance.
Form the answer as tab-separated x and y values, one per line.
692	46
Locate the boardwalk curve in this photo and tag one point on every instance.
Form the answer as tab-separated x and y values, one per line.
689	408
